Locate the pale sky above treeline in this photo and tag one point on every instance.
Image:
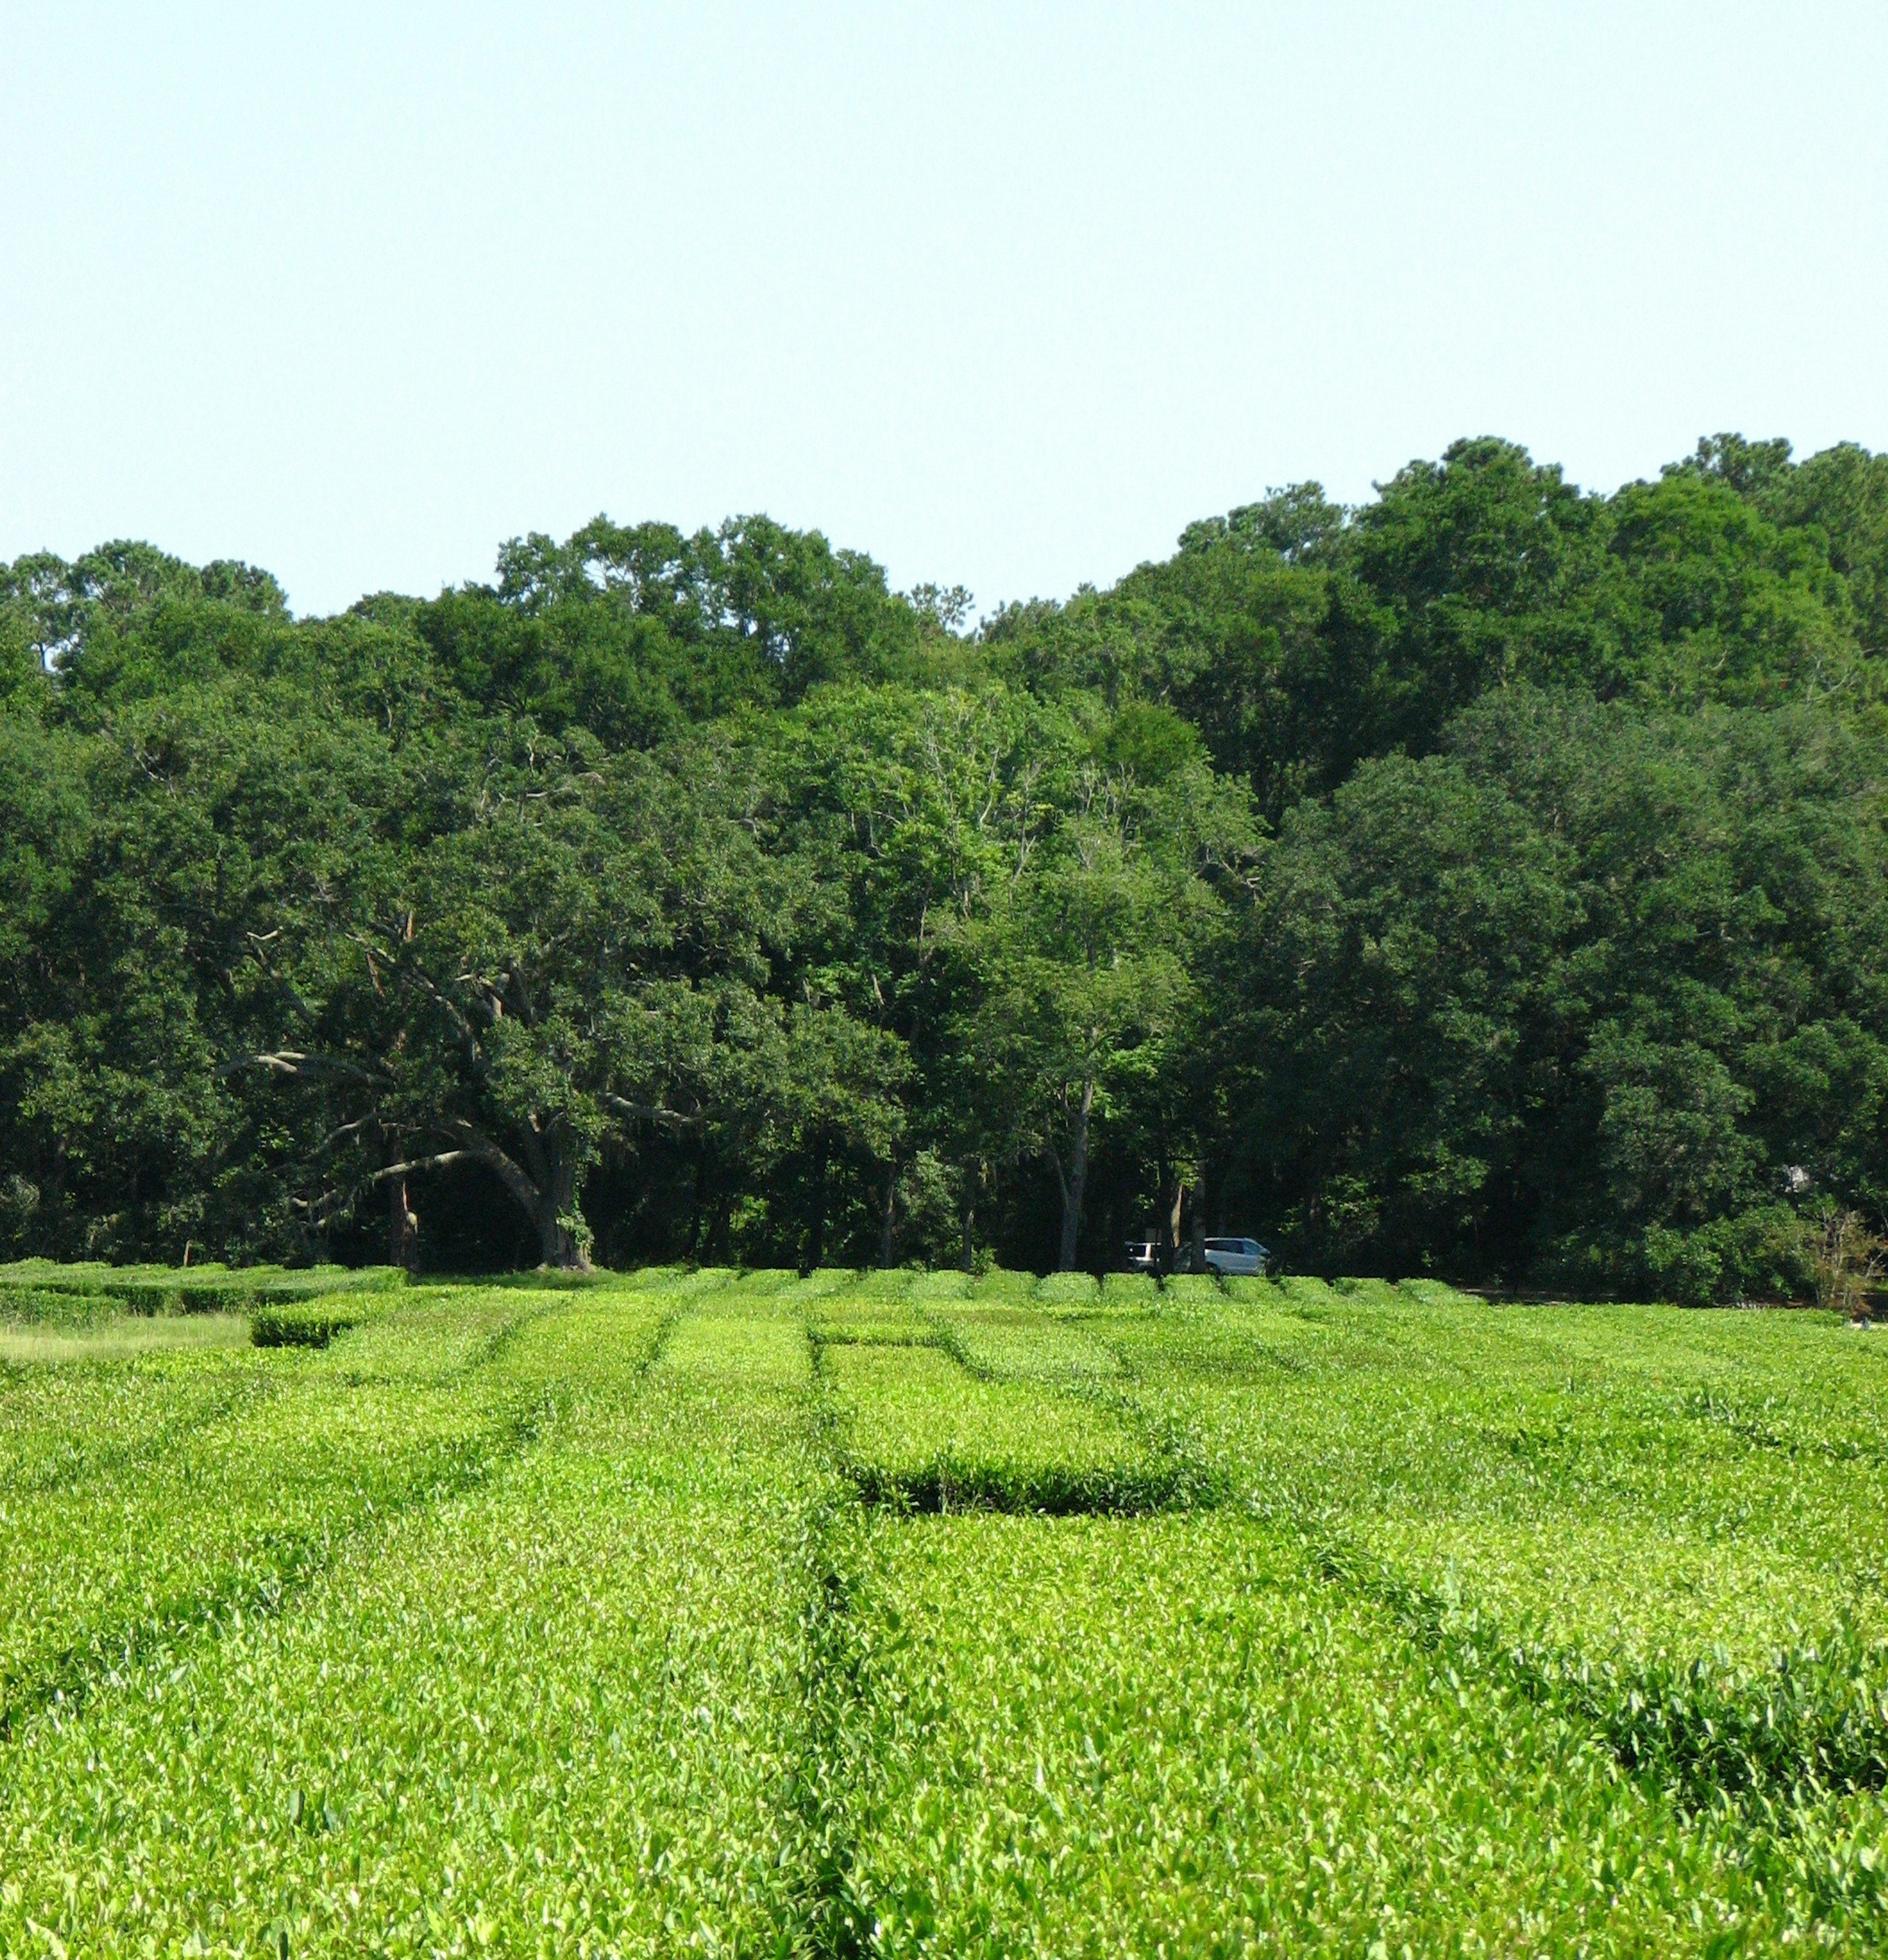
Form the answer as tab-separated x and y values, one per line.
1003	296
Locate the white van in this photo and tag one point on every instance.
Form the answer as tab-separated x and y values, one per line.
1226	1255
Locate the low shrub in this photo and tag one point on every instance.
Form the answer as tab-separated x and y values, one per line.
1130	1291
299	1326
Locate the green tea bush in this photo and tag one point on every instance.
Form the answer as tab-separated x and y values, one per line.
941	1286
63	1426
46	1306
1250	1288
1138	1292
1555	1522
1434	1293
888	1284
564	1711
1150	1737
201	1289
1075	1289
299	1326
1302	1289
324	1282
739	1349
1022	1344
89	1276
236	1510
876	1324
922	1434
744	1612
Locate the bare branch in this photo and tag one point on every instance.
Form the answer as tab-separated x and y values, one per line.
676	1120
292	1062
434	1163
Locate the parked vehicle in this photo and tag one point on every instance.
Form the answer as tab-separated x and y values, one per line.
1143	1255
1225	1256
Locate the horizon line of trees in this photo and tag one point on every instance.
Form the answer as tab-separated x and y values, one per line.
1488	880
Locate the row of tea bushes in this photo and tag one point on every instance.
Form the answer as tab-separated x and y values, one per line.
1171	1735
921	1432
908	1614
563	1711
1544	1498
39	1289
230	1484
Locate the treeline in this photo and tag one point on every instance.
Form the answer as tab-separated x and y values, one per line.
1489	881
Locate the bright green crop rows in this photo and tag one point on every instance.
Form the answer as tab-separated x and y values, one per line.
901	1615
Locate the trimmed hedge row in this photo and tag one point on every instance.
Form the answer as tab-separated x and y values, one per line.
38	1290
299	1326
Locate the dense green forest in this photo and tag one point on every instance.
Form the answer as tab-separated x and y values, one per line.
1488	881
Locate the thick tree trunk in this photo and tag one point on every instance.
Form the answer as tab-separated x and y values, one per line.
969	1226
556	1204
1200	1220
561	1253
1172	1249
1076	1183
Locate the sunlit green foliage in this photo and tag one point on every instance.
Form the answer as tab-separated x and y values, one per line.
230	1490
889	1614
922	1432
1144	1735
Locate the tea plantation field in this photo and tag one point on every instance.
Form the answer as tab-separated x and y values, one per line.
893	1614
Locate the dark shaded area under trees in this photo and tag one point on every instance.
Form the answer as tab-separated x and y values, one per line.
1488	881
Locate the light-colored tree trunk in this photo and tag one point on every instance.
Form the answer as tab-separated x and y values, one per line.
403	1228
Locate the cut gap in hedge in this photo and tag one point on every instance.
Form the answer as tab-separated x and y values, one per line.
863	1334
276	1327
952	1483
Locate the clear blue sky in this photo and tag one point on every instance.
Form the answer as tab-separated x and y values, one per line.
1003	294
